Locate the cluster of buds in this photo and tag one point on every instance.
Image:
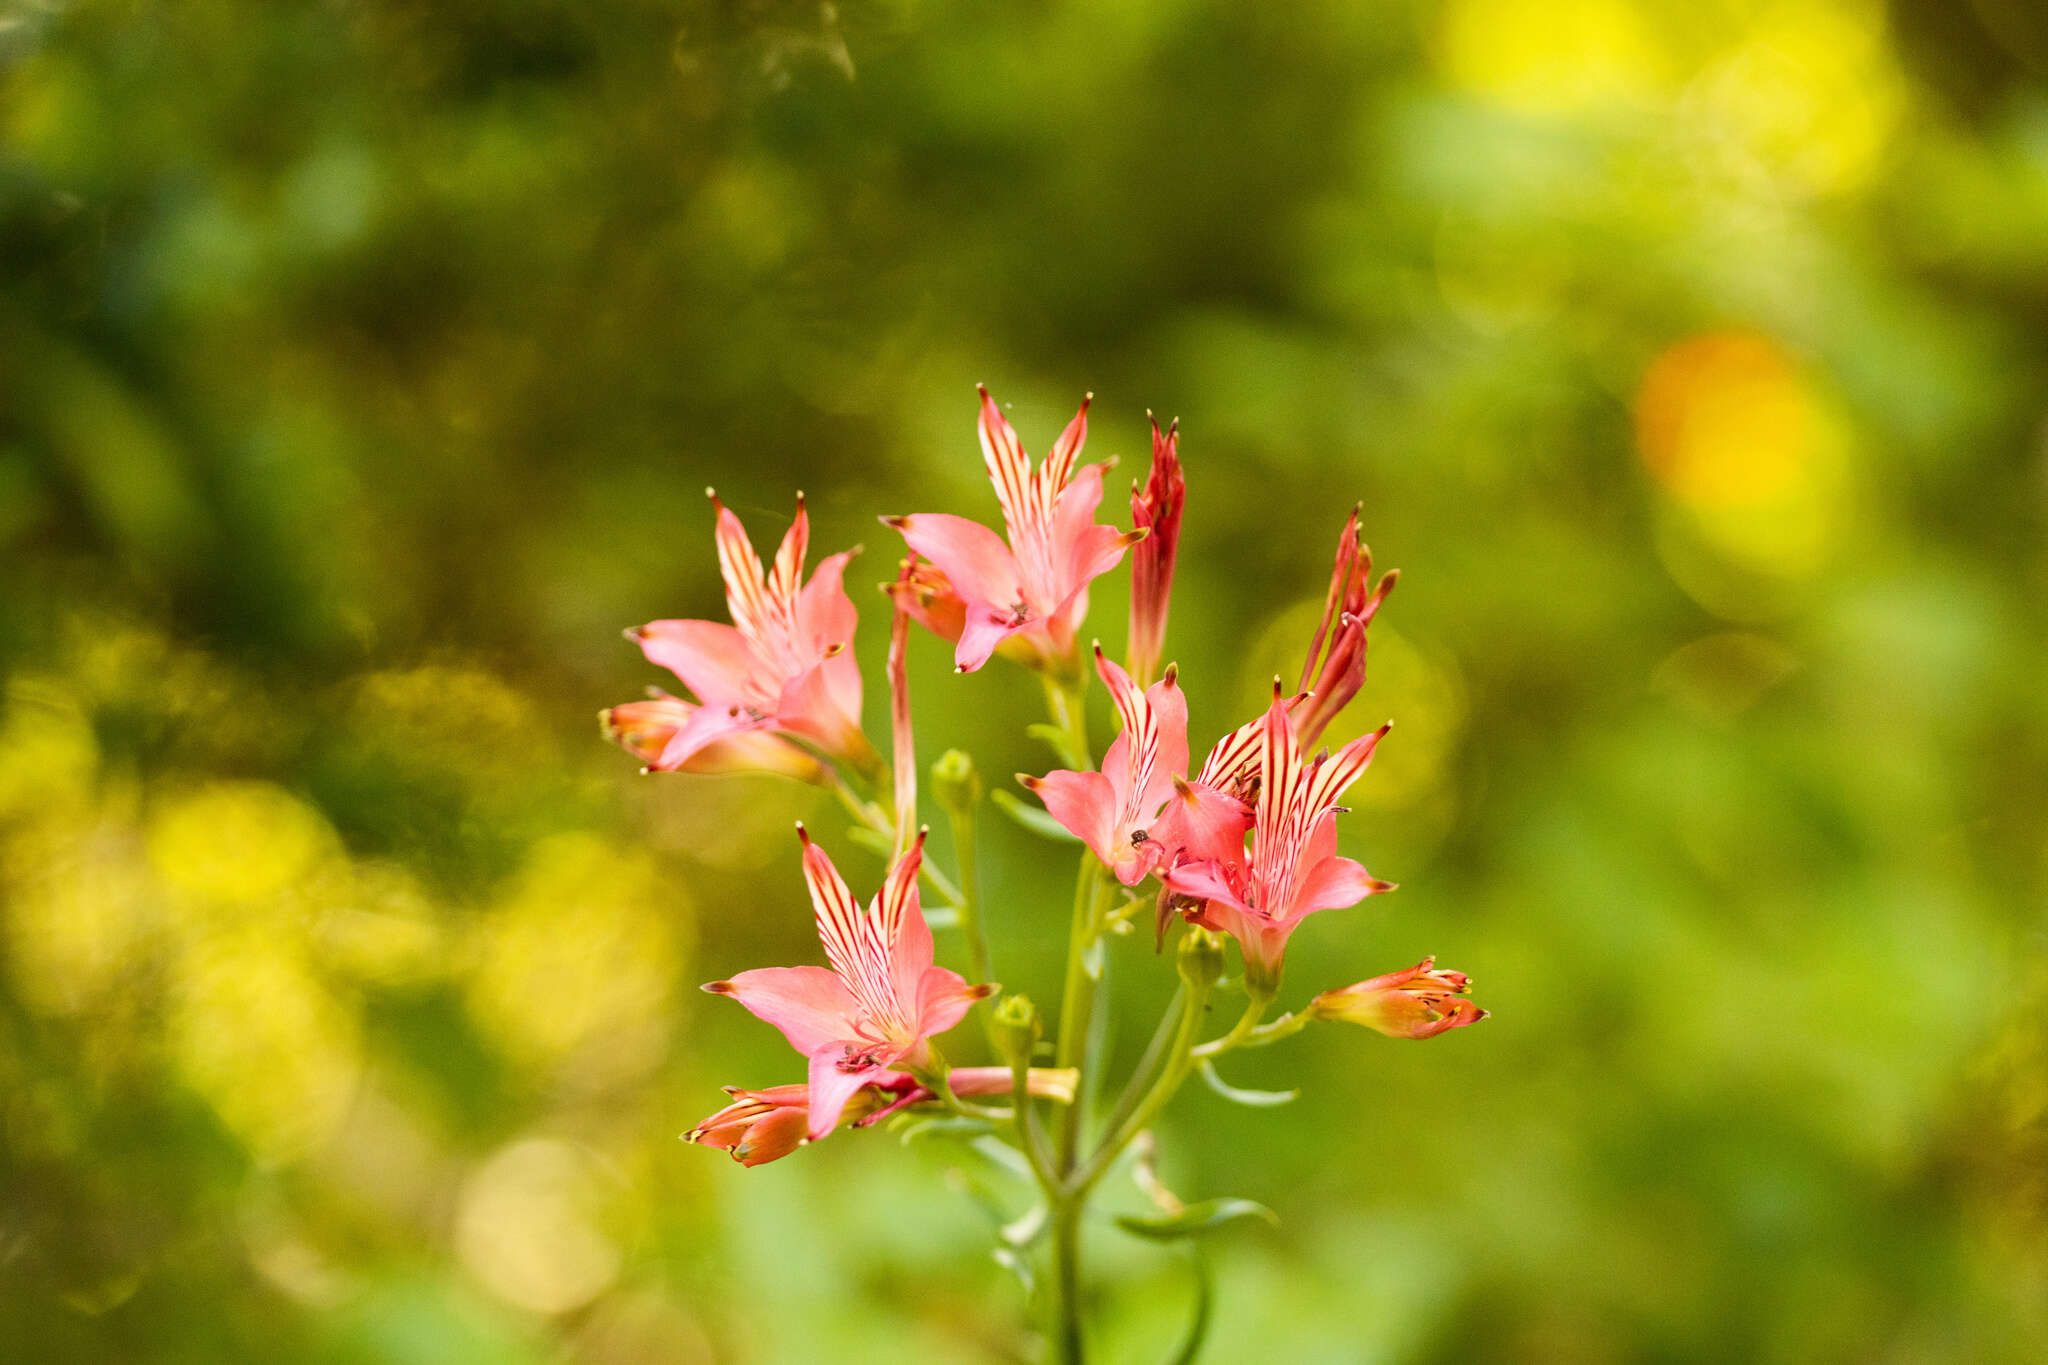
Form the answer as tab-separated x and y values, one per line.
1242	848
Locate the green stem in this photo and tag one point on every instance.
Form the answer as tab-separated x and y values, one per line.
969	901
1066	1278
1077	1001
1180	1060
1148	1065
1254	1010
1030	1132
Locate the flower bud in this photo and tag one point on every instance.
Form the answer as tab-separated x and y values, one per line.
1417	1003
956	783
1015	1029
1201	959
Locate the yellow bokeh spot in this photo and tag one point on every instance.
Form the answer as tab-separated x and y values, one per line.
1564	57
48	755
530	1227
378	925
237	841
80	910
1751	450
1812	98
257	1034
580	960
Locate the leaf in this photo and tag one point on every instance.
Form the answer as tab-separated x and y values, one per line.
1198	1327
1032	818
1004	1155
1195	1219
1257	1099
941	917
1022	1231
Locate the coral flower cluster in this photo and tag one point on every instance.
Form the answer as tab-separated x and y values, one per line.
1243	848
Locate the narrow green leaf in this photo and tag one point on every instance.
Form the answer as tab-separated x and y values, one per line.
1195	1219
1004	1155
1031	817
1258	1099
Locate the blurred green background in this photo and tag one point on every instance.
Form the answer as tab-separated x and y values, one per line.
361	368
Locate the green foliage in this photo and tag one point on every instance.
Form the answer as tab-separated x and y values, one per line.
365	365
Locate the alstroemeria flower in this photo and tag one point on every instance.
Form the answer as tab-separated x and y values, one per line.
1156	510
1291	869
1418	1003
1035	588
645	729
760	1126
784	666
879	1000
1110	810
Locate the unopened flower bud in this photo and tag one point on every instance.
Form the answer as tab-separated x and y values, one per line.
956	783
1417	1003
1015	1028
1201	959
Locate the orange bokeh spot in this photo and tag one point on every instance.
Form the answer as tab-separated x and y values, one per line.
1726	419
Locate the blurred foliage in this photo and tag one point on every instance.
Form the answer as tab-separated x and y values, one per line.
364	364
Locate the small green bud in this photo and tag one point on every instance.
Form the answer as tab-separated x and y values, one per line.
1201	959
1015	1029
955	782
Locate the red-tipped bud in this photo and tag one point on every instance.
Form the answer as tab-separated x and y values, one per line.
1417	1003
1334	677
1155	509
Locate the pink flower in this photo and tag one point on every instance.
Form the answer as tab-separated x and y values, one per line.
763	1125
1417	1003
644	729
1110	810
1035	588
784	666
878	1001
1156	510
1259	894
1331	686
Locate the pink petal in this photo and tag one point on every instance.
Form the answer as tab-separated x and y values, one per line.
825	615
1085	803
707	726
910	948
1202	823
1170	714
983	632
972	557
943	999
789	557
1009	468
1203	881
1333	883
1342	768
746	589
833	1084
810	1005
713	659
1059	461
809	707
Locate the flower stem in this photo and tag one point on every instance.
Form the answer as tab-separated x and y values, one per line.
879	820
1078	1000
1179	1061
968	898
1254	1010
